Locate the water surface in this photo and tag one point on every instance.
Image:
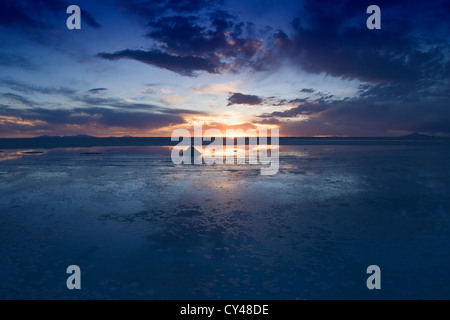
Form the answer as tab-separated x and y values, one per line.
140	227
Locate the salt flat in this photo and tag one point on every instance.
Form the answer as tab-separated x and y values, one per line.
140	227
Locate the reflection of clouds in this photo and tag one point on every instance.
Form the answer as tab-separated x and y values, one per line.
294	151
9	155
138	150
19	154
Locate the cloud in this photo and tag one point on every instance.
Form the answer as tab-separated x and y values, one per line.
92	101
97	90
184	111
332	38
381	109
268	121
32	89
207	39
149	91
306	109
297	101
217	34
139	120
404	74
17	99
181	34
183	65
239	98
17	61
83	117
93	113
328	38
153	90
404	69
89	100
216	89
173	99
90	20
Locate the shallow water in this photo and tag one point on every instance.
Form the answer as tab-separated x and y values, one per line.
140	227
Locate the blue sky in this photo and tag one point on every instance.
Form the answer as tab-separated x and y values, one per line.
145	68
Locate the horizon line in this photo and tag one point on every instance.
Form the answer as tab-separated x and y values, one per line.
284	137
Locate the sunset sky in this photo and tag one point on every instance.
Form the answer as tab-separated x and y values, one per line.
145	68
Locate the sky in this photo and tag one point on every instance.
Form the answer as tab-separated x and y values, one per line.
148	67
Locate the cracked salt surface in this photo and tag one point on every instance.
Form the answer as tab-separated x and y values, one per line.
140	227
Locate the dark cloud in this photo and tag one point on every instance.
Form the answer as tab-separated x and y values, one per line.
189	35
405	74
138	120
184	34
194	37
97	90
328	38
41	114
184	65
325	96
306	109
332	38
298	101
218	34
382	109
88	116
269	121
183	111
239	98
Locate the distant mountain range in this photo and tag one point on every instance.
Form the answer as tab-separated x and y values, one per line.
64	137
414	136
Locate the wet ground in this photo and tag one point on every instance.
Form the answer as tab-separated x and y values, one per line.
140	227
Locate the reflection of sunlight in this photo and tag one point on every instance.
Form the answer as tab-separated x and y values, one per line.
224	152
219	152
225	182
